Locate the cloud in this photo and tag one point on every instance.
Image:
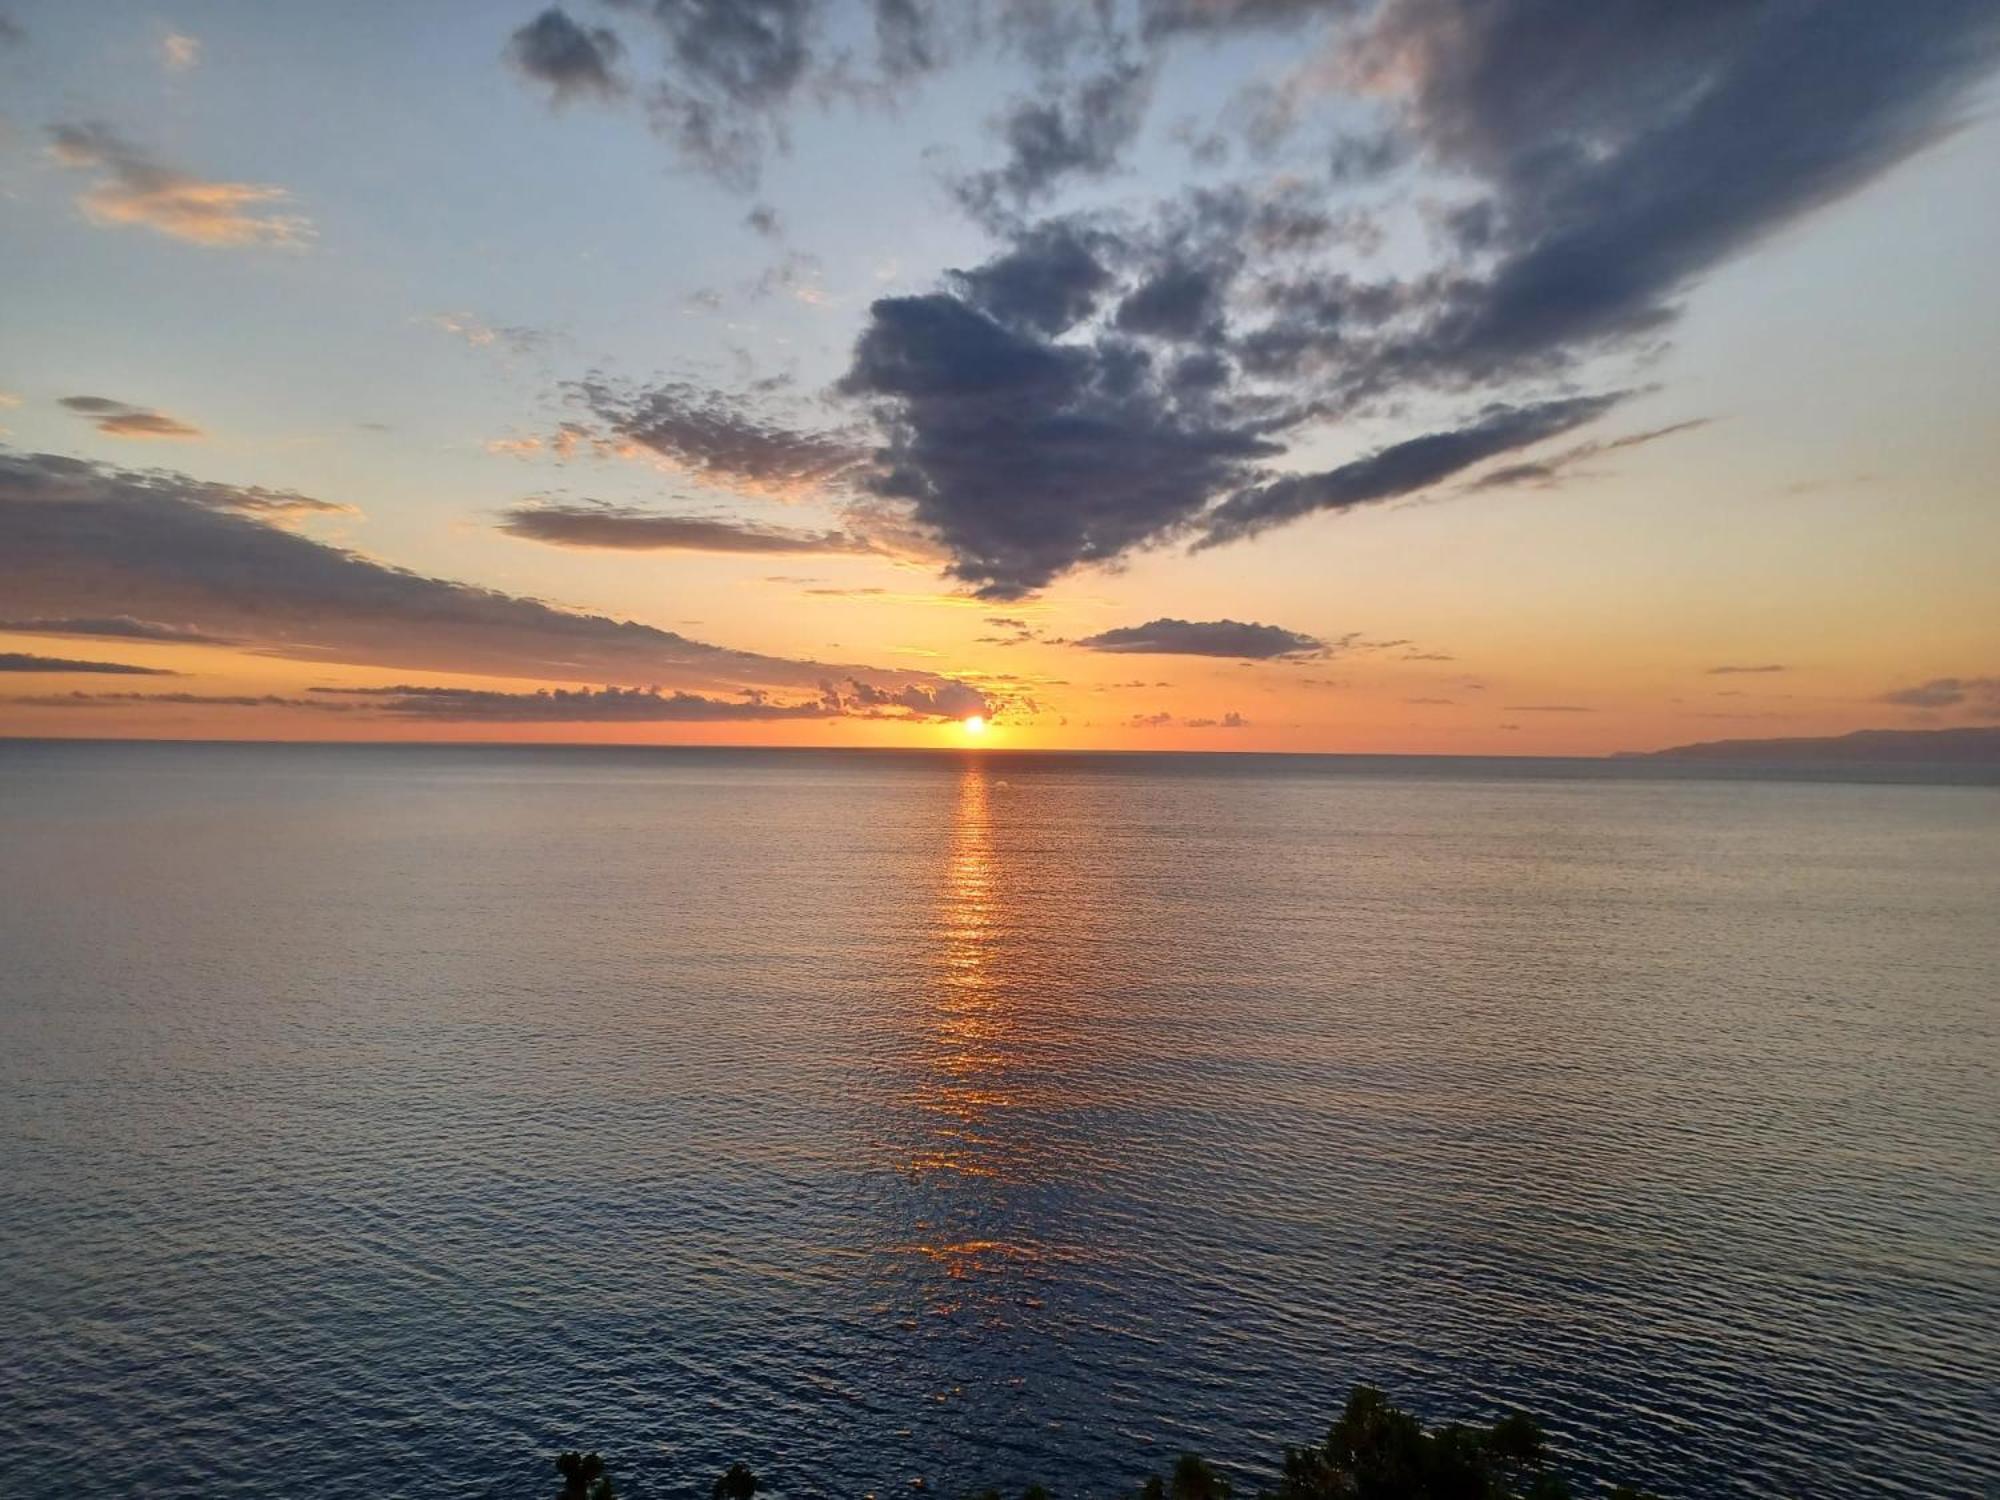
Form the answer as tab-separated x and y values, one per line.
1399	469
1111	380
1611	142
1231	638
1548	708
178	52
11	33
1077	130
733	73
574	61
1028	457
732	67
1982	693
727	442
1732	671
609	705
118	419
1227	721
945	700
1049	279
629	529
199	700
515	339
120	627
90	540
1548	472
135	189
651	705
20	661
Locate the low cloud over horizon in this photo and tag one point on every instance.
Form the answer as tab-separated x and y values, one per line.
1235	638
21	661
85	539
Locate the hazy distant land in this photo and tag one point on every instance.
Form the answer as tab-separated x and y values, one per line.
1979	745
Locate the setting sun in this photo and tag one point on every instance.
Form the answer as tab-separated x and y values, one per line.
974	724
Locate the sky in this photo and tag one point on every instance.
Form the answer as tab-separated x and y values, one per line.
1430	376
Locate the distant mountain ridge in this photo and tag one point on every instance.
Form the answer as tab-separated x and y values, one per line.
1978	745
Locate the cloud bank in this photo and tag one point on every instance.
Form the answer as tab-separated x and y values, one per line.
84	540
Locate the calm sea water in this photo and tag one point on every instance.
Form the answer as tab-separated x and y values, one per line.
375	1121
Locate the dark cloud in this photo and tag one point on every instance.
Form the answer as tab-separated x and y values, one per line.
1227	721
1028	457
1983	693
1731	671
1080	129
1400	469
1629	146
121	419
1048	280
732	68
20	661
1547	708
1233	638
122	627
572	60
1181	300
763	219
629	529
11	34
729	442
89	540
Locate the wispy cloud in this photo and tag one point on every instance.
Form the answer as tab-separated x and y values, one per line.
730	442
1980	693
626	528
184	700
118	627
179	52
515	339
20	661
122	419
135	189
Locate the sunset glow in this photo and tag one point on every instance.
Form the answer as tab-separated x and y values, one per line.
1162	435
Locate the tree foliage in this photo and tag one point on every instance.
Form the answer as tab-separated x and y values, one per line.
584	1477
1375	1451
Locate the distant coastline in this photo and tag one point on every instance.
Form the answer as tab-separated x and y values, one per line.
1972	746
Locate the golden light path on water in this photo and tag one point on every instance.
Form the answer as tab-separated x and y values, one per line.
976	1046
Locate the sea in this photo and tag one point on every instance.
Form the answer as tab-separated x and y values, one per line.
378	1121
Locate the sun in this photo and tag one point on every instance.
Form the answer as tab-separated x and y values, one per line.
974	724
